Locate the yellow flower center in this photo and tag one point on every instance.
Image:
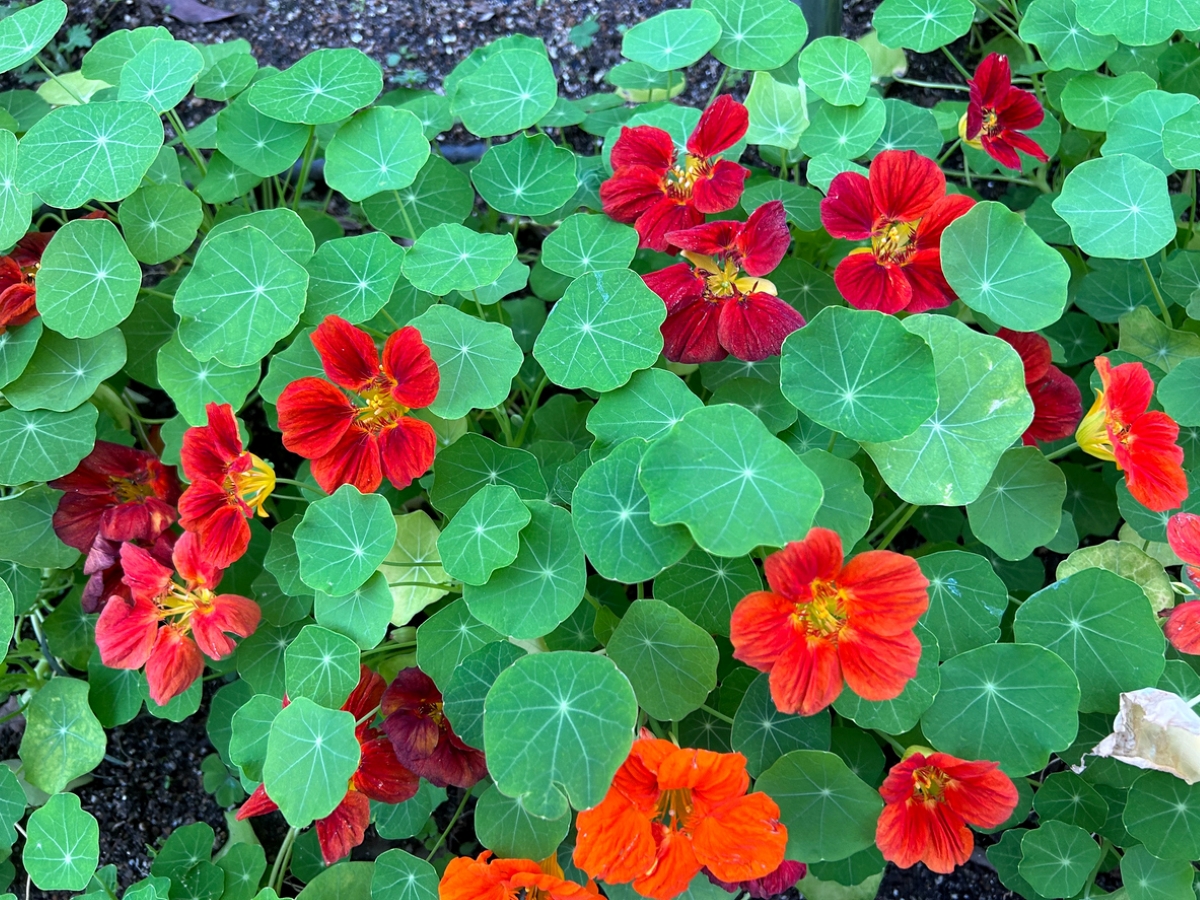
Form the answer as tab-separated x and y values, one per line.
724	279
381	408
929	784
825	614
682	176
674	807
1093	435
894	242
255	485
128	491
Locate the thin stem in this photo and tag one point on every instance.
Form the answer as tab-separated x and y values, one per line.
1004	25
282	858
933	85
883	526
310	151
1014	179
425	584
1162	304
412	232
501	416
62	84
1063	451
181	133
895	744
530	410
945	156
36	621
716	714
300	484
720	84
950	56
462	804
898	527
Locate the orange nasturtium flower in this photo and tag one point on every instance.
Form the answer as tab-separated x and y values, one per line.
1121	427
823	623
1182	627
504	879
929	802
671	812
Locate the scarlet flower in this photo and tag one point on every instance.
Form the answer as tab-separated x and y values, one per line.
712	308
658	193
671	812
379	776
929	802
997	114
483	878
421	734
1057	404
1122	428
903	207
117	493
359	445
786	876
1182	627
164	625
823	623
228	486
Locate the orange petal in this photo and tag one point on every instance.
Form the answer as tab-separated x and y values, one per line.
674	869
614	843
741	840
793	569
807	678
877	667
713	778
978	791
885	592
915	831
761	629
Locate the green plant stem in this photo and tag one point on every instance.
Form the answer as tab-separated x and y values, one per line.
720	84
883	526
898	527
310	151
36	621
716	714
1162	304
282	858
932	85
991	14
950	56
301	485
462	804
62	84
530	410
1063	451
501	416
181	133
945	156
895	744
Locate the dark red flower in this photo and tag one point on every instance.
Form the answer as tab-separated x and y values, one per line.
102	565
903	208
379	776
1057	403
359	445
786	876
117	493
713	309
998	113
228	486
421	734
657	193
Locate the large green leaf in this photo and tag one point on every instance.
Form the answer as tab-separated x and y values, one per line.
528	176
63	739
380	149
401	876
1163	813
1103	626
256	142
1137	127
1053	27
860	373
467	689
544	715
1020	508
511	91
1090	100
966	601
836	70
756	34
352	277
452	257
324	86
647	406
1057	858
193	384
311	754
585	243
605	327
440	194
673	39
1146	877
343	538
763	734
505	827
62	846
160	221
473	461
39	445
722	474
982	408
24	32
25	520
922	25
160	74
706	588
1118	207
63	373
1138	22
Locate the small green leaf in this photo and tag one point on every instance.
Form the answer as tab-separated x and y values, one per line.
585	243
845	506
528	176
311	754
104	61
413	567
250	728
1137	127
324	86
452	257
352	277
227	77
256	142
1118	207
845	132
160	74
647	406
24	32
763	734
474	461
380	149
16	207
25	520
343	538
1146	877
63	373
40	445
439	195
506	828
62	848
1090	100
510	91
706	588
1020	508
160	221
673	39
401	876
966	601
922	25
468	687
836	70
63	738
1057	858
756	34
321	665
362	615
448	637
483	536
193	384
1066	797
1141	23
1053	27
778	113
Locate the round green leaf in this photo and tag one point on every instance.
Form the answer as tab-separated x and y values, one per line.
966	601
25	520
1146	877
160	221
285	229
104	61
1118	207
88	280
1057	858
242	295
1103	627
778	113
673	39
982	408
1053	27
454	258
860	373
722	474
95	152
225	181
803	208
440	194
402	820
1068	798
477	359
836	70
227	77
845	132
901	714
16	207
506	828
321	665
482	537
756	34
512	89
343	538
706	588
1137	127
763	734
1000	267
647	407
845	507
468	687
829	811
249	731
585	243
401	876
193	384
605	327
448	637
473	461
1180	137
612	517
1163	812
256	142
324	86
1139	23
528	176
62	846
380	149
63	739
311	754
1129	562
39	445
671	662
352	277
922	25
542	586
1090	100
1014	704
63	373
413	567
547	712
362	615
23	33
1020	508
160	74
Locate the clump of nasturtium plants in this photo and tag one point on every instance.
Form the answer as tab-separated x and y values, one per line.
714	513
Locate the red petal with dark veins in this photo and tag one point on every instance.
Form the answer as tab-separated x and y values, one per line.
221	525
721	126
125	632
347	353
690	332
1057	407
764	239
754	326
210	451
664	216
867	285
174	665
406	360
630	192
905	184
344	828
643	145
848	210
313	416
406	450
721	188
354	460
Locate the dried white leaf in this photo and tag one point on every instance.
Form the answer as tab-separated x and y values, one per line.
1155	730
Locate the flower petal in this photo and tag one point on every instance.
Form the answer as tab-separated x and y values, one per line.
209	451
313	416
344	828
1057	407
126	631
977	790
941	214
1182	627
792	570
868	285
720	187
761	630
691	332
929	287
807	677
663	216
886	592
406	450
742	840
174	664
228	614
905	184
347	353
1153	462
877	667
848	210
1183	534
1033	349
614	841
643	145
406	360
722	125
381	776
258	804
630	192
146	577
754	326
674	868
764	239
354	460
221	525
913	831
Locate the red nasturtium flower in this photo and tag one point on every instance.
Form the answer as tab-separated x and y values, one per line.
1182	627
903	208
824	623
165	625
997	114
712	308
117	493
484	878
102	565
656	192
18	300
1121	427
1057	404
786	876
379	777
228	485
421	734
930	799
671	812
359	445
